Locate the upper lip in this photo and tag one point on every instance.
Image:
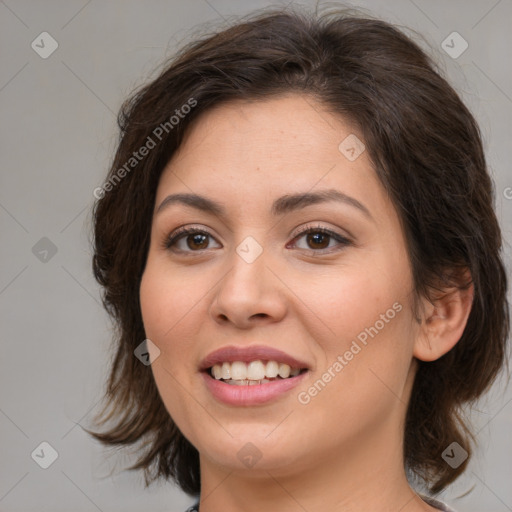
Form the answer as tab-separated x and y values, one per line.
246	354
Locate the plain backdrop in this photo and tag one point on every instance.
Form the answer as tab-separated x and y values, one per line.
58	133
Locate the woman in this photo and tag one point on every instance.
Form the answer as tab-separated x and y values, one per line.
297	243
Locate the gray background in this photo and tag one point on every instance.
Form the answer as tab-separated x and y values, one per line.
57	136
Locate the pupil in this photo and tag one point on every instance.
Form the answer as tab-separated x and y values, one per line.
317	238
198	240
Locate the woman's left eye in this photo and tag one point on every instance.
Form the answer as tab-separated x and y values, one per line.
318	239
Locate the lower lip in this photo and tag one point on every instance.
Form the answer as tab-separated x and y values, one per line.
250	395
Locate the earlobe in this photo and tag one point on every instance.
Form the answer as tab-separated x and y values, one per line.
443	323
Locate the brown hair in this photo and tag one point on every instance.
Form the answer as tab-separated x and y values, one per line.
427	151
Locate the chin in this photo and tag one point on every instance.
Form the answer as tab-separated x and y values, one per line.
255	450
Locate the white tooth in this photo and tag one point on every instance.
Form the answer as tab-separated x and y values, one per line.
284	370
238	370
226	371
217	371
255	370
253	382
272	369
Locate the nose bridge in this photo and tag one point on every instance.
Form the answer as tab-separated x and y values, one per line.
247	290
247	275
249	250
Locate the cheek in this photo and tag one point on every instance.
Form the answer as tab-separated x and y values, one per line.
167	296
364	383
167	311
157	305
369	322
165	303
351	301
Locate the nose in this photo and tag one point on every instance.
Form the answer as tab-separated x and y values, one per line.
249	294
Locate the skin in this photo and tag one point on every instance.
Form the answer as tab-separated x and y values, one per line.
342	451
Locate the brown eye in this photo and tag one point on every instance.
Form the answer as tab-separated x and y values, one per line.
189	240
197	241
320	239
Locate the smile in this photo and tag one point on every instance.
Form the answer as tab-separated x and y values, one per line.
251	373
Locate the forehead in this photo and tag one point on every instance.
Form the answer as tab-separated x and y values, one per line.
247	153
285	128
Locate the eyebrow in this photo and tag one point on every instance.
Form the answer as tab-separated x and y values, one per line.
282	205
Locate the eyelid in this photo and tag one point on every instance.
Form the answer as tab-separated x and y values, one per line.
302	230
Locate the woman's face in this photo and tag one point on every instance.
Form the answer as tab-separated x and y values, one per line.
336	303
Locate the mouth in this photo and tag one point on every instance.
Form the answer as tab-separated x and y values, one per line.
240	373
251	375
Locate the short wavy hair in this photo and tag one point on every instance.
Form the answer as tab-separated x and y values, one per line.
426	149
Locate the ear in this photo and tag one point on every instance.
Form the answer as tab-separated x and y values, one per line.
444	319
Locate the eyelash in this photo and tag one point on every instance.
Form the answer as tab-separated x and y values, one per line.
183	232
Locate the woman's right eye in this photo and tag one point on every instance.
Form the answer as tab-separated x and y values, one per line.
188	240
